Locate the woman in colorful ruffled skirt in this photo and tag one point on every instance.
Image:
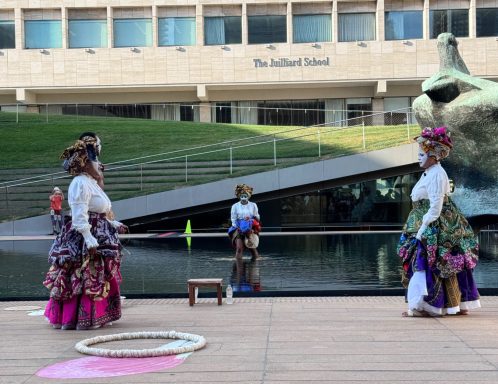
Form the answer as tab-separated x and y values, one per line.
438	248
85	258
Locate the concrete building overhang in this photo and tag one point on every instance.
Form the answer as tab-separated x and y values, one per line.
209	92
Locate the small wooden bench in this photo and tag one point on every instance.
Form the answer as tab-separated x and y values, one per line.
195	283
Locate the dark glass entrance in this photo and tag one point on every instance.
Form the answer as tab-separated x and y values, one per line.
375	204
291	113
359	114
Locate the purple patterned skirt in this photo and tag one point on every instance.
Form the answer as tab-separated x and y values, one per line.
84	289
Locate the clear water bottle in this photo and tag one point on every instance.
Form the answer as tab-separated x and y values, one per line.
229	294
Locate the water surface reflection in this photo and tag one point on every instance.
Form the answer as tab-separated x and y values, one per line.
287	263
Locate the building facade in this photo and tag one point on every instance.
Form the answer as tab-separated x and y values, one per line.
286	62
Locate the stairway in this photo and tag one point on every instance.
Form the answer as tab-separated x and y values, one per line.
27	198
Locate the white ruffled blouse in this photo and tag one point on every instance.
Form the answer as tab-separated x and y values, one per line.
241	211
433	185
85	195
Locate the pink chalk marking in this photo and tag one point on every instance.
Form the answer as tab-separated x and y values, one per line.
94	367
167	234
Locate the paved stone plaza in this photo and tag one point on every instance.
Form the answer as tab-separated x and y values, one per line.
275	340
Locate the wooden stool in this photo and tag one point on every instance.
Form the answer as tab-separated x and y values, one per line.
195	283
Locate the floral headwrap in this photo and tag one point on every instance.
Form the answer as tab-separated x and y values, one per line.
243	188
76	156
435	142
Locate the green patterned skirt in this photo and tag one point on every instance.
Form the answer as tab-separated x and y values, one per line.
450	242
446	255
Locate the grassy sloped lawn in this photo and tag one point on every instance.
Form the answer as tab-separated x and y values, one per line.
34	143
39	144
32	147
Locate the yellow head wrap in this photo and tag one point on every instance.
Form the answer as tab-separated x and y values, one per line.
243	188
76	156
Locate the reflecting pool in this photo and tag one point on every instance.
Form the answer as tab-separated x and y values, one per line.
288	263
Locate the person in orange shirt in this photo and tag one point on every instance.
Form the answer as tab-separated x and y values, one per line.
56	199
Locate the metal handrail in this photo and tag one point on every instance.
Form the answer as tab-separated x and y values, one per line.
193	105
62	174
149	156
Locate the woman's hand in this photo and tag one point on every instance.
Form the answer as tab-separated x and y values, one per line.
92	251
421	231
90	241
123	229
93	169
119	226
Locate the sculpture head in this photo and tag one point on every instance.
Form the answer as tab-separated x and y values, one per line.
468	106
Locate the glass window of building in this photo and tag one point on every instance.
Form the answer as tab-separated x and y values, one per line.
222	30
87	33
312	28
267	29
455	21
187	113
132	33
138	111
487	22
42	34
377	202
291	112
7	34
176	31
175	112
359	111
402	25
398	110
305	113
223	113
356	26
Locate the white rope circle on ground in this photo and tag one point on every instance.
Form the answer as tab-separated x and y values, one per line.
198	343
23	308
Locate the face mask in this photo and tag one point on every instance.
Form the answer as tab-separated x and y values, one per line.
423	157
244	198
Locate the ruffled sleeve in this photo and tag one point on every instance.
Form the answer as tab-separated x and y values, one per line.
255	212
233	215
79	195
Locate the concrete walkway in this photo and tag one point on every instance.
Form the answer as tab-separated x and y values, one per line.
275	340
